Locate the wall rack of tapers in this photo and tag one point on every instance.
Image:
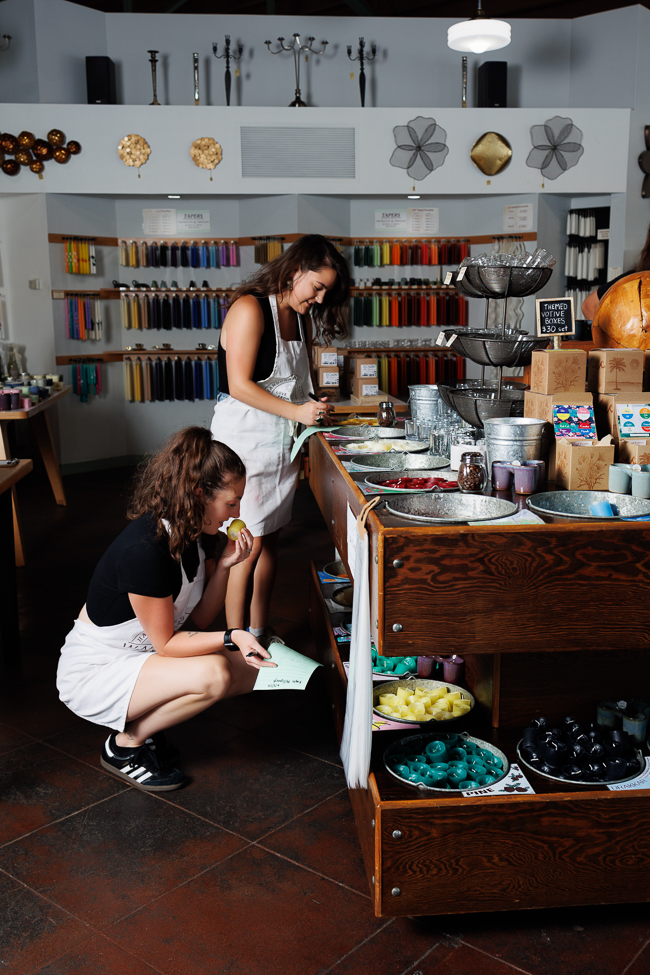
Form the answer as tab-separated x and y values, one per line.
288	238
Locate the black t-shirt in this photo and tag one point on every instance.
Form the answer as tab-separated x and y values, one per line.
602	290
139	561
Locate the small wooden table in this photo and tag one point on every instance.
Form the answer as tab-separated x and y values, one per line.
39	425
9	629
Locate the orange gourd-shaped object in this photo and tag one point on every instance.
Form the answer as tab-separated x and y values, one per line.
622	319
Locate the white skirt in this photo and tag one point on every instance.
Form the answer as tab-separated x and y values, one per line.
264	442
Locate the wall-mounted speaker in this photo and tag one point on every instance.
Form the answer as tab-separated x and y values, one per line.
492	85
100	80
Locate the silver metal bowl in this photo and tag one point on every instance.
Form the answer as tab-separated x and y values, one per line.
411	683
506	281
576	504
558	778
449	508
397	462
421	741
490	351
365	432
482	402
375	480
337	568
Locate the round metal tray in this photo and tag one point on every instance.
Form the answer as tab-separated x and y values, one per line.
424	739
374	480
490	351
393	461
410	447
369	433
576	504
483	402
338	596
449	508
413	682
506	280
557	778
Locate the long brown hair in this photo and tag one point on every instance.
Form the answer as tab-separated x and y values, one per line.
309	253
166	484
644	257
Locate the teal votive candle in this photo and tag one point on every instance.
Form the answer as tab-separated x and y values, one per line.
469	784
437	750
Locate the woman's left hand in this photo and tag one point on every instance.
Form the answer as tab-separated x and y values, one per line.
238	550
252	650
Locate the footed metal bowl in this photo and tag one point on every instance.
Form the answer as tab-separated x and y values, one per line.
430	685
482	402
438	734
494	351
449	508
506	281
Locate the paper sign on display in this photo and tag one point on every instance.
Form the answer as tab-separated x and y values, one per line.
292	672
159	223
518	217
574	422
191	220
633	419
390	220
422	221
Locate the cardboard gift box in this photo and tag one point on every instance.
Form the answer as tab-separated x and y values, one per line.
583	465
615	370
607	414
541	404
325	355
633	451
364	387
327	376
363	367
558	371
646	371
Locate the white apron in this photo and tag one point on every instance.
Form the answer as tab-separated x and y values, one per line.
264	441
99	665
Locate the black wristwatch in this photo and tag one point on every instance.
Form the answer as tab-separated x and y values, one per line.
228	641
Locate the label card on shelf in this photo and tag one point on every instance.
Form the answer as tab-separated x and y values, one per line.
187	221
422	221
159	223
390	220
517	217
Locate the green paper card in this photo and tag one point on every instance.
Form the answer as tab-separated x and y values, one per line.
291	674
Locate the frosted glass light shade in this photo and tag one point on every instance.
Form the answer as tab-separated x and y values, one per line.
479	35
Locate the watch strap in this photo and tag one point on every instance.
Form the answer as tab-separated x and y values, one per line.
228	641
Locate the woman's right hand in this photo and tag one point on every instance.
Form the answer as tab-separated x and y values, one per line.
312	413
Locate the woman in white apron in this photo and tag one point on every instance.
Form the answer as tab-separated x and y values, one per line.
127	663
264	393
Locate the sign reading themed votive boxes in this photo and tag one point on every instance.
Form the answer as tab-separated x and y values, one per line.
613	371
558	371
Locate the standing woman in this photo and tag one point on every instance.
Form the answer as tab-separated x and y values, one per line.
264	389
128	664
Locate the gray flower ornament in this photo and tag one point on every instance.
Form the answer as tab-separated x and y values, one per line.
421	147
556	146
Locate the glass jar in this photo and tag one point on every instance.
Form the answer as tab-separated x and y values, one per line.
472	473
386	415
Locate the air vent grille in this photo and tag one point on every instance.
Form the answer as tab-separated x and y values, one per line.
297	152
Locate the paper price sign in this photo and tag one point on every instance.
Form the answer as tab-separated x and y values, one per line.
555	316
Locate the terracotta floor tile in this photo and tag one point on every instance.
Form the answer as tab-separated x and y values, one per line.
35	708
32	931
10	739
641	965
111	859
38	785
394	949
96	956
251	786
255	914
252	710
461	960
599	940
309	729
326	840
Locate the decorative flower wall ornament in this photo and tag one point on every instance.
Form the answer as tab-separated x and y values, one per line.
556	146
421	147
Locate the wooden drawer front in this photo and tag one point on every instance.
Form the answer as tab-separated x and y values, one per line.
556	589
503	855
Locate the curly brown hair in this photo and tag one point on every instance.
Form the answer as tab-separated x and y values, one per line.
166	484
309	253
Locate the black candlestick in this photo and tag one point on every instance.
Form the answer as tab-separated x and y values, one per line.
361	58
228	54
297	47
153	61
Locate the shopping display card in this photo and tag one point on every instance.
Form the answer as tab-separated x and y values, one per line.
292	672
633	419
574	422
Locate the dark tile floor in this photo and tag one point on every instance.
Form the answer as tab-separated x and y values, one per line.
253	868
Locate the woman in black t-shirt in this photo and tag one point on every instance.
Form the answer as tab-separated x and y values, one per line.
128	663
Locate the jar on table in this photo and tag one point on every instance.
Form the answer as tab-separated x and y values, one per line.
472	472
386	415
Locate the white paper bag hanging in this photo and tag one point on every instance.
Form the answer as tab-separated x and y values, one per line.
357	729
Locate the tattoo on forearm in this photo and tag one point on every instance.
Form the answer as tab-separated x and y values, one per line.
192	632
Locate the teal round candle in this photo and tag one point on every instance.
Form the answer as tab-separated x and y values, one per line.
437	750
414	777
403	770
484	780
475	767
458	755
449	738
469	784
437	778
440	767
456	775
420	767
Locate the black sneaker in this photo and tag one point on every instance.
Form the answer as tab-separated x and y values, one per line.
166	753
141	768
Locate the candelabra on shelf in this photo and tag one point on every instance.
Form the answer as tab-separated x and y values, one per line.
153	61
362	57
296	49
228	54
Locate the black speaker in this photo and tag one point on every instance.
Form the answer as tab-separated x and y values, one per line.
100	80
492	85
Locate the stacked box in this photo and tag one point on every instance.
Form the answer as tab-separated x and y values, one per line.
583	465
325	355
540	405
327	377
558	371
612	371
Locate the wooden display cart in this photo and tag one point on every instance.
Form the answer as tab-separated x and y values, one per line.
550	619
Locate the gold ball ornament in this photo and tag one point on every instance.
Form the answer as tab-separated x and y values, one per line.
61	154
37	166
10	167
9	143
134	150
26	140
24	157
42	150
56	137
206	153
74	147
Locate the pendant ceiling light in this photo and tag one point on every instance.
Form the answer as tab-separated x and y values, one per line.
480	34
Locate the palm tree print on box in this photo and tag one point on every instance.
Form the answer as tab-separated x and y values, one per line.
616	364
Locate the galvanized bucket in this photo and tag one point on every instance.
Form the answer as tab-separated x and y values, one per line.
513	438
425	403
